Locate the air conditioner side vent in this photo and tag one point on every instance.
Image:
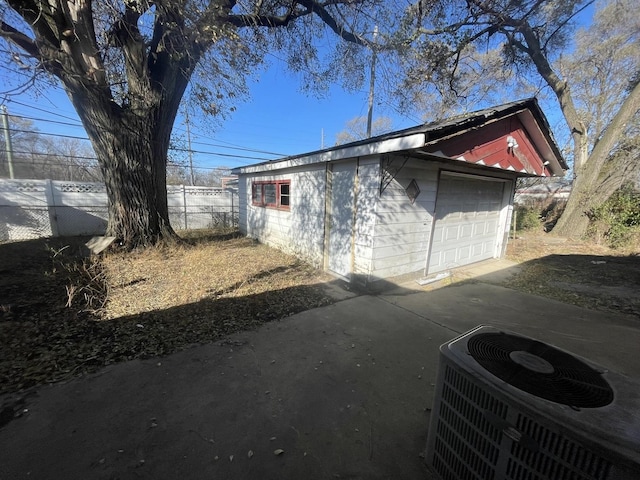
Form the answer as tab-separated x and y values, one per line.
558	457
464	432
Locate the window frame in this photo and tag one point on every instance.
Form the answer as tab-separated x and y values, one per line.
258	197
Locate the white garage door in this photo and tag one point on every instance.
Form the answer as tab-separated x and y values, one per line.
467	219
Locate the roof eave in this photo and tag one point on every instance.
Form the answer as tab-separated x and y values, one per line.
359	149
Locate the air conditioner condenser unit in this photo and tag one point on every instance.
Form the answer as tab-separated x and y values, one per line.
508	407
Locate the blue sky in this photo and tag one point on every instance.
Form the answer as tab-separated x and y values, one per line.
280	118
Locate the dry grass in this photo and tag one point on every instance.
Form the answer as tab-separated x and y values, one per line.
536	244
219	267
63	315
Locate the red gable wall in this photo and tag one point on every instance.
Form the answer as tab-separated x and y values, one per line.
487	145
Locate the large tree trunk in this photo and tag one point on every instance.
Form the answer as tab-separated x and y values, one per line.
131	145
134	174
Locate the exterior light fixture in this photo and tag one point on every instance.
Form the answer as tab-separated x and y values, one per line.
511	142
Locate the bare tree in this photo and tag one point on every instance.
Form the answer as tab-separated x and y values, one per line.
38	156
126	65
25	144
356	129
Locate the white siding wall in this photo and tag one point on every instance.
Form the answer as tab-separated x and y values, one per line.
403	229
391	235
300	230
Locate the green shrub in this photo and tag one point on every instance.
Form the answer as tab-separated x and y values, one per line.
617	220
526	217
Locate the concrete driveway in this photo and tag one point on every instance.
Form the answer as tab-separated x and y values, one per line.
337	392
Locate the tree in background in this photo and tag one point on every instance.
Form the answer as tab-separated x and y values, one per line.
25	143
520	43
38	156
126	65
604	68
356	129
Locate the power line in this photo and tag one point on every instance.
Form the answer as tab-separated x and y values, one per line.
76	124
175	149
57	155
49	134
84	138
57	114
71	164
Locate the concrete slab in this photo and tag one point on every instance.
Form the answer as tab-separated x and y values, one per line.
610	339
343	390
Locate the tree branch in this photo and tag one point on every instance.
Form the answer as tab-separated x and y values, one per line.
561	89
39	16
126	34
566	21
18	38
308	7
611	135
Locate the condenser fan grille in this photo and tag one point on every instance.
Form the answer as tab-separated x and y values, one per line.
540	369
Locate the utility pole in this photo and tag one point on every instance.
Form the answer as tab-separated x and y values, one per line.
7	140
186	119
372	80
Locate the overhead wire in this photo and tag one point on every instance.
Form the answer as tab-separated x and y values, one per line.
57	114
87	139
84	166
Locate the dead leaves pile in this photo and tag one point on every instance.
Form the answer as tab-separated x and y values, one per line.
138	305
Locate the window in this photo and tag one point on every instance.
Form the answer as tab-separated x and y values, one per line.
272	194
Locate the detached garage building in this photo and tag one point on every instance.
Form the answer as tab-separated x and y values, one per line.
416	201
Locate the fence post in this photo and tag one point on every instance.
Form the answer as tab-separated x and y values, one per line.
184	204
230	193
51	207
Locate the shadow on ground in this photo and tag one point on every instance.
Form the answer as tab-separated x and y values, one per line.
340	391
591	281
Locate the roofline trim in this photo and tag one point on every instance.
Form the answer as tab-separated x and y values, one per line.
408	142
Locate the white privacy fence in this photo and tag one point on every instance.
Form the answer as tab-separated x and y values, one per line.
45	208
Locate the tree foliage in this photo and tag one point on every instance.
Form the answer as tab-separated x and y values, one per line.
618	219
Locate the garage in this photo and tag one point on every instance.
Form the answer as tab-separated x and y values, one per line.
467	218
412	202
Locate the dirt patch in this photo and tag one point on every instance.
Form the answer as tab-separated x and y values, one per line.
577	272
